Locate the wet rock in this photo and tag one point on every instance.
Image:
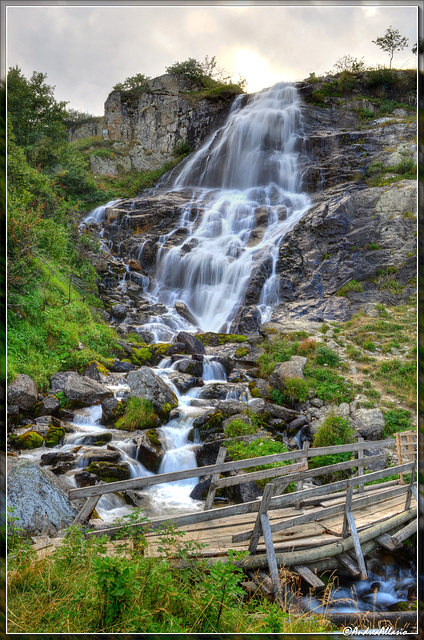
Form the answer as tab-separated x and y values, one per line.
231	407
122	367
54	436
193	345
222	391
22	391
119	311
41	504
185	313
101	455
293	368
97	439
48	406
369	423
134	498
111	410
63	467
29	440
54	457
283	413
109	471
247	491
201	489
85	479
145	384
80	391
149	450
298	422
247	320
184	382
207	453
177	347
191	367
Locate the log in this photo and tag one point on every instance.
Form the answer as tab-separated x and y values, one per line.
212	487
386	541
357	546
405	533
270	554
403	620
349	563
263	508
309	576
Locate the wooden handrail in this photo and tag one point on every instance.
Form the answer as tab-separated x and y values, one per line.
140	483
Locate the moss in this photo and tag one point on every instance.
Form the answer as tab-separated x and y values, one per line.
154	439
54	436
29	440
255	393
141	356
242	351
109	471
217	339
138	414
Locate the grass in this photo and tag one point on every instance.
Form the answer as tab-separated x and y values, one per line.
139	414
86	587
354	286
396	420
333	431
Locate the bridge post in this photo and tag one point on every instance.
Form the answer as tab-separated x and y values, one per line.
263	508
360	471
212	489
411	484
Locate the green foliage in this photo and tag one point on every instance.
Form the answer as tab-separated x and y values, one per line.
241	450
325	355
182	148
136	85
216	339
19	547
333	431
139	414
239	428
373	246
328	385
348	63
391	41
206	74
54	436
399	377
278	397
115	580
350	286
295	390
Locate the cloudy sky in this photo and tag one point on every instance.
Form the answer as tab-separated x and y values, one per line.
86	49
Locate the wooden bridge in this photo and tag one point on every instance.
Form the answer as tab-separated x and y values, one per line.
307	530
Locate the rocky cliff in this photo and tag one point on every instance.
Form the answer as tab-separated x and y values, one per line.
147	127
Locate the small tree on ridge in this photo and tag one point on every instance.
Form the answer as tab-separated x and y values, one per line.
391	41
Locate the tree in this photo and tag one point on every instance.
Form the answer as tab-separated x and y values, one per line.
135	84
391	41
349	63
33	111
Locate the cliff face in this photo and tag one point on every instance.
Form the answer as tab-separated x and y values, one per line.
147	127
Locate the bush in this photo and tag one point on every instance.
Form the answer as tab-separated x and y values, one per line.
237	428
325	355
333	431
396	420
139	414
329	386
182	148
296	390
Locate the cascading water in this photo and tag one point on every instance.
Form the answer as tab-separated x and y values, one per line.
247	185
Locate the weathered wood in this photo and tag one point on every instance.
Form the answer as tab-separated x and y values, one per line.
386	541
140	483
299	484
411	484
403	620
349	563
212	487
308	575
360	471
347	507
270	554
405	532
321	513
87	508
259	475
263	508
357	546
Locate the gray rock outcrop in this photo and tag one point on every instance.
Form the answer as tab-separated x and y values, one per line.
22	392
39	500
146	384
79	390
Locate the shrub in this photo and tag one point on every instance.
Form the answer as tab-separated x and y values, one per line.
139	414
333	431
182	148
306	347
329	386
354	286
325	355
296	389
396	420
239	428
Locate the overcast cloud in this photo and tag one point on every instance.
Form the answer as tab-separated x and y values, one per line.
85	50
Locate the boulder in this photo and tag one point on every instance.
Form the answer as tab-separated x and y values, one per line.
368	423
54	457
48	406
146	384
109	471
185	313
101	455
85	479
41	504
149	450
184	382
111	409
29	440
201	489
119	366
80	391
119	311
293	368
22	392
192	367
247	320
193	345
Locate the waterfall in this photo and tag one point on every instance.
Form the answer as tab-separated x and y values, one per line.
247	184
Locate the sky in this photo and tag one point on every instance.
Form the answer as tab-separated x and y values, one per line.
85	49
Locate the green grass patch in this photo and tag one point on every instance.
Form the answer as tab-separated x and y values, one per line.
139	414
396	420
333	431
354	286
328	385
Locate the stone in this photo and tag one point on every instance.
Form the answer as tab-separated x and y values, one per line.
111	410
223	391
42	506
193	345
109	471
122	367
149	450
54	457
119	311
316	402
22	391
379	465
101	455
283	413
31	439
80	391
293	368
191	367
49	406
247	320
85	479
146	384
368	423
201	489
185	313
63	467
134	498
298	422
184	381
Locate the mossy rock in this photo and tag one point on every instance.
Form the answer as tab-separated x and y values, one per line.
241	352
110	472
217	339
54	436
141	356
29	440
255	393
154	439
166	410
213	425
159	350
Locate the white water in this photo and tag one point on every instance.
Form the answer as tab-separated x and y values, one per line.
249	168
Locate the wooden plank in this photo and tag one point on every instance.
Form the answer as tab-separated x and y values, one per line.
259	475
319	514
309	576
257	529
347	508
386	541
139	483
299	484
405	532
357	546
87	508
270	553
411	484
360	471
212	487
350	564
